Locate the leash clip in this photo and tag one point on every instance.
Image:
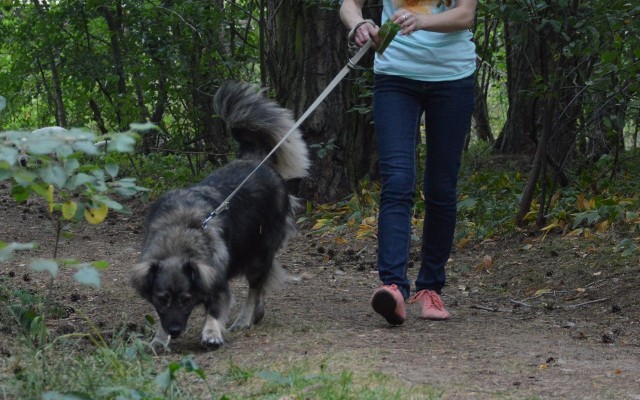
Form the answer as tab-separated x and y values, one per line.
222	207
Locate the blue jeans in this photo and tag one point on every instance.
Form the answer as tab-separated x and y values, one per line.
398	104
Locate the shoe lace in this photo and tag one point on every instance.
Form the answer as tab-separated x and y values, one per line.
430	298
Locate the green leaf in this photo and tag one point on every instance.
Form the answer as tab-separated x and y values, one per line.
24	177
20	193
164	379
147	126
88	276
69	209
71	165
43	145
112	169
112	204
54	175
101	264
45	265
8	155
122	143
78	180
65	396
86	147
275	377
6	250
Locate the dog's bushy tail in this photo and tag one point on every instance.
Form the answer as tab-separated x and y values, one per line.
258	124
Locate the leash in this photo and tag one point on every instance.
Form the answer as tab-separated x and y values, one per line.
343	72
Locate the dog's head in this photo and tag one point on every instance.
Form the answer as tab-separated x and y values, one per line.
174	286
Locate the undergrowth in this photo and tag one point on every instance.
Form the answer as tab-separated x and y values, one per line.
490	188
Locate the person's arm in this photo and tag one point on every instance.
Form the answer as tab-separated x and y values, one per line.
455	19
351	17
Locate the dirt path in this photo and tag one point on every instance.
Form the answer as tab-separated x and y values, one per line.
574	334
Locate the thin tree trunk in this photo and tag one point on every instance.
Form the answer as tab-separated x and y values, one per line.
55	92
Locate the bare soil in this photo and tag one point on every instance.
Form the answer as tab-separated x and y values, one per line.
533	316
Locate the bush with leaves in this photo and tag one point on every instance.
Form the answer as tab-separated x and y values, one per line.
72	171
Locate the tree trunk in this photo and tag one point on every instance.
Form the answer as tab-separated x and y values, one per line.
519	134
114	22
306	48
55	89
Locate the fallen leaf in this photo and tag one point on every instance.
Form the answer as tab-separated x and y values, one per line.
485	264
540	292
463	243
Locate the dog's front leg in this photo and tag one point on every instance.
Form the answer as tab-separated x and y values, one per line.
212	333
217	310
160	341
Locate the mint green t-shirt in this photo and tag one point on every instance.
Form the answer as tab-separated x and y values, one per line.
426	56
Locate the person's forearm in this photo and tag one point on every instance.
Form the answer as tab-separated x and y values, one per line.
351	13
456	19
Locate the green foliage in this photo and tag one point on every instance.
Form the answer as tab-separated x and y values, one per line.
162	172
122	369
324	148
101	64
490	189
358	210
72	170
487	203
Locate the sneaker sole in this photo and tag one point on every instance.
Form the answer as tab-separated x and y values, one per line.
436	318
385	304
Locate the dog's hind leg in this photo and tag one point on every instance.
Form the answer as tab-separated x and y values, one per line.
217	309
253	310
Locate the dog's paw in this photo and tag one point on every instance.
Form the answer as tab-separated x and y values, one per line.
240	326
159	346
212	333
211	341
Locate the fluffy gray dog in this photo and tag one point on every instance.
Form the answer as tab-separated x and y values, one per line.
186	261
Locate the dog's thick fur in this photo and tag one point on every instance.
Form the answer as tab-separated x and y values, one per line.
184	264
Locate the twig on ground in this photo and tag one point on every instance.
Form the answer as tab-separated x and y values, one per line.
521	303
584	304
596	282
486	308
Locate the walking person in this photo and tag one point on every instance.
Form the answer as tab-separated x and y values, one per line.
428	68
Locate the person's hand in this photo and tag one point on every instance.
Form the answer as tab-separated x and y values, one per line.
408	21
364	31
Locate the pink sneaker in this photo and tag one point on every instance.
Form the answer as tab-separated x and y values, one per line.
388	301
432	305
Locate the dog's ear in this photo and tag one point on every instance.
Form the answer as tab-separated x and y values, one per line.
142	276
202	275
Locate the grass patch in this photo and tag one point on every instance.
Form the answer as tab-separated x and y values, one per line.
88	366
304	381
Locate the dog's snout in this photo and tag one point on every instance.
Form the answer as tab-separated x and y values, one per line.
174	331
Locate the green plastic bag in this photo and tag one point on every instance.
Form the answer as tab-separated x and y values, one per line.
387	32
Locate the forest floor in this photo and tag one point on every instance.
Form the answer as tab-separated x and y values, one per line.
533	316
